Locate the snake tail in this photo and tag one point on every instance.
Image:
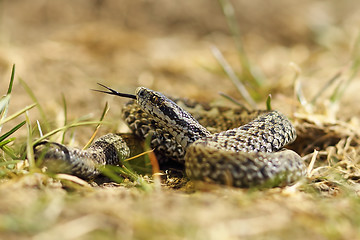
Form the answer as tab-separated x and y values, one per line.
109	149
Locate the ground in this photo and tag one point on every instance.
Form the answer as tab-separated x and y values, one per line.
304	53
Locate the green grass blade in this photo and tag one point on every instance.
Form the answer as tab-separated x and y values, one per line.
114	172
268	103
248	71
14	129
6	107
137	178
111	172
9	152
339	92
77	124
229	14
325	87
231	74
233	100
104	112
106	109
15	115
354	70
35	100
6	163
29	144
298	86
11	80
4	101
5	142
65	117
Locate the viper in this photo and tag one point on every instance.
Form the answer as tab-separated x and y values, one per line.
250	155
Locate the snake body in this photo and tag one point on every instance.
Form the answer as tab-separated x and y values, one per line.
247	156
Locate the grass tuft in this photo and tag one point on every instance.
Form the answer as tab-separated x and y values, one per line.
8	165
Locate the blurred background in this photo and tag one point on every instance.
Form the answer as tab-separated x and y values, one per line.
66	47
62	49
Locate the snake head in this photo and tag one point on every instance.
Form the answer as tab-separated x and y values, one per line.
181	124
150	100
161	107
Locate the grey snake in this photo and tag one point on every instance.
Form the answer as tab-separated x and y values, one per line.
252	155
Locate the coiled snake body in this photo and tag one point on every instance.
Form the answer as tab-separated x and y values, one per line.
246	156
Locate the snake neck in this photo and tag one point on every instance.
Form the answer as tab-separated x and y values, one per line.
178	122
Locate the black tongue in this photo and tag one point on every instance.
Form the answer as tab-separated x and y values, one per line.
113	92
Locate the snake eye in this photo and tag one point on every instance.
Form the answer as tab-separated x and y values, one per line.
154	99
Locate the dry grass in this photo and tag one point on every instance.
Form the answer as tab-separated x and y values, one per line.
67	48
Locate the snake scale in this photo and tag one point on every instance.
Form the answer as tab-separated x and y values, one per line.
251	155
